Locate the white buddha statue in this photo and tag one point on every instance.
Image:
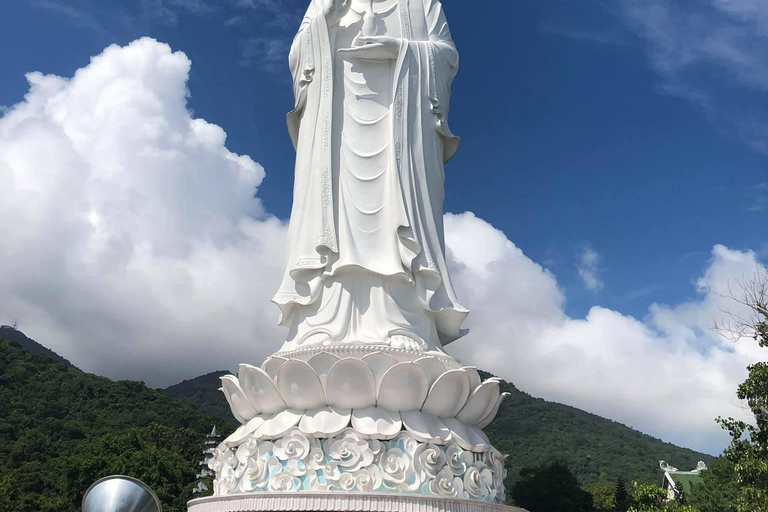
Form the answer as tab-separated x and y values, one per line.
366	254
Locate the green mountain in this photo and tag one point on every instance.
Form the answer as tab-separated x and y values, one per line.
61	429
533	431
201	393
9	333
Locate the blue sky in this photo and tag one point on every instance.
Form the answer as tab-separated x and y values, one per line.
613	159
568	138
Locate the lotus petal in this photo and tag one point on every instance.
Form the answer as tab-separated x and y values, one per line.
279	424
376	423
489	418
425	427
260	390
380	363
325	422
351	385
272	366
299	386
448	394
236	437
322	363
474	377
467	437
403	388
481	403
242	433
432	367
242	410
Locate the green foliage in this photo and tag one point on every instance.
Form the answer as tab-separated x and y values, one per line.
61	429
534	431
749	447
603	496
621	498
648	498
202	393
651	498
11	334
718	490
550	488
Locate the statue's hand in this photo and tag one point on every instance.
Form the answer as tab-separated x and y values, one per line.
374	48
335	10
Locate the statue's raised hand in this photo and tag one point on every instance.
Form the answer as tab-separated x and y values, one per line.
335	10
374	48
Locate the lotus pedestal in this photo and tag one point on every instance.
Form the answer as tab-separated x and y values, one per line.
358	428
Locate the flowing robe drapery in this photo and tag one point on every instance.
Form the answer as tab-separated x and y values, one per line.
421	143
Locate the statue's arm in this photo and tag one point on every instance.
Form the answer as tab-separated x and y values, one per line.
302	63
440	33
443	64
300	58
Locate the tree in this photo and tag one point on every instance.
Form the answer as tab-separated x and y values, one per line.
621	496
749	441
651	498
718	490
550	488
648	498
603	494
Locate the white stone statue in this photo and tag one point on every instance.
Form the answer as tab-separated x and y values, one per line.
361	398
366	251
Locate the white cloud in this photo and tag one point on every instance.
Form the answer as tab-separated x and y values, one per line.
155	11
588	265
710	53
131	237
282	13
77	17
268	54
668	374
133	245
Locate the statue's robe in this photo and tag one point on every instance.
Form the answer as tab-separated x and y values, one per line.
366	252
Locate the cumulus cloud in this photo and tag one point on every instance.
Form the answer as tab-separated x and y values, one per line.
710	53
135	246
588	262
667	374
131	236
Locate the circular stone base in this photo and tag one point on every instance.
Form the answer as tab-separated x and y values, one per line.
338	502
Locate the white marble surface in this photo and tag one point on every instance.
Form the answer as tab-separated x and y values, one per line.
366	252
353	462
377	395
319	502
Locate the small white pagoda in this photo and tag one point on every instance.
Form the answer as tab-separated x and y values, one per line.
212	441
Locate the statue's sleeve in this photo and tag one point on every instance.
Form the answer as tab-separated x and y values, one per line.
440	34
443	64
301	60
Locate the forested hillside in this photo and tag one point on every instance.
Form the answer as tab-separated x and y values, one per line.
201	392
9	333
533	431
61	429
